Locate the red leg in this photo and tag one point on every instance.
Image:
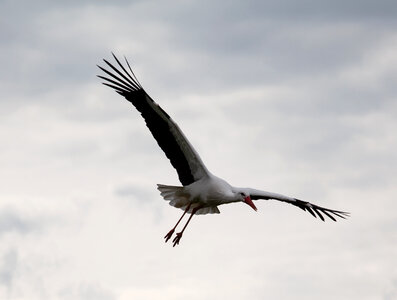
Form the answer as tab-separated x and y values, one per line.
169	234
179	234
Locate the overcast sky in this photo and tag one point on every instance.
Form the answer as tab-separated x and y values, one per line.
294	97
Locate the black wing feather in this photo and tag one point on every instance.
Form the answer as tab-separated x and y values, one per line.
318	210
157	120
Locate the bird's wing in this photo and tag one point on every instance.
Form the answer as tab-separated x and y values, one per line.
313	209
170	138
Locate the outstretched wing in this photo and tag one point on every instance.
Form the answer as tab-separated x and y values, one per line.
313	209
170	138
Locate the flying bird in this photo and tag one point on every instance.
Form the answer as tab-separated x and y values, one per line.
201	191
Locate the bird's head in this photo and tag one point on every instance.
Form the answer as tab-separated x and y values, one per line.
245	197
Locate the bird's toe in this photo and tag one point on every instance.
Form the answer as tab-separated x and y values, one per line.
177	239
169	235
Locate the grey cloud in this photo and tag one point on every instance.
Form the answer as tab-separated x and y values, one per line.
11	221
8	267
226	51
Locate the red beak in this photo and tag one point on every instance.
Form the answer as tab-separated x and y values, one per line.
250	203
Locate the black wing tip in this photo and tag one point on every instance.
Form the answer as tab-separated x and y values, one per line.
122	80
318	210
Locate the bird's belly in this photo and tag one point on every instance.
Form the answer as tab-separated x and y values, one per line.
208	192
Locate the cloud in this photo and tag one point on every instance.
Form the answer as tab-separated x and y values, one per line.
13	222
293	98
8	268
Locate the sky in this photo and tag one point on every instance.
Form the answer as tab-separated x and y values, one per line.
293	97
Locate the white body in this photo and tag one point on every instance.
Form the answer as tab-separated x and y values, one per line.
208	192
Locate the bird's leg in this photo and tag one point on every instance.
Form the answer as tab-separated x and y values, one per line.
169	234
179	234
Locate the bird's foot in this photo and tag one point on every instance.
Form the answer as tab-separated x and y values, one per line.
169	234
177	239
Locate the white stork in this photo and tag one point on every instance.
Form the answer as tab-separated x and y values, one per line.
201	191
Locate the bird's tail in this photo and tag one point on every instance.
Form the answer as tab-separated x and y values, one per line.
175	194
178	198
